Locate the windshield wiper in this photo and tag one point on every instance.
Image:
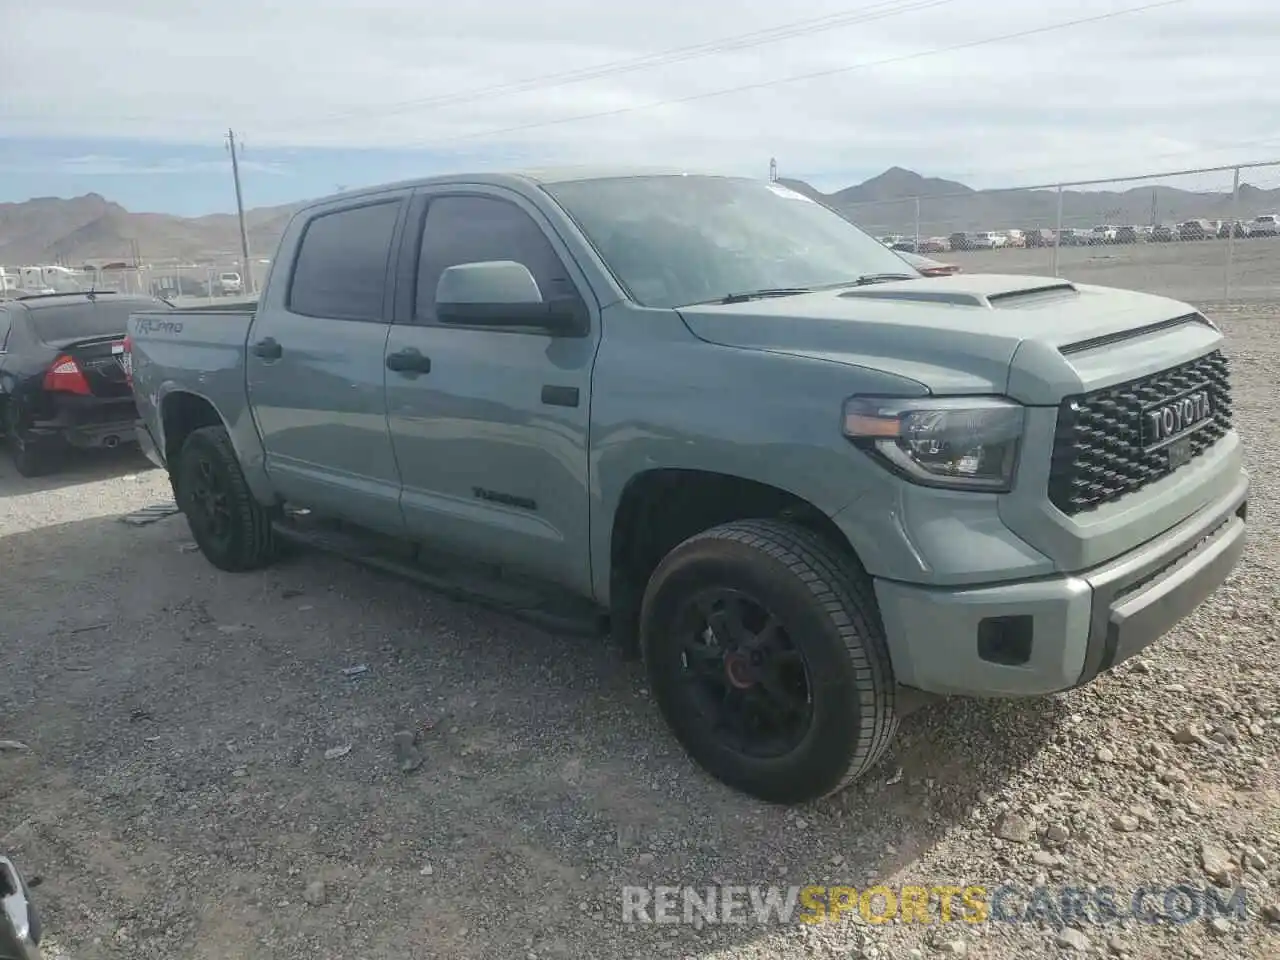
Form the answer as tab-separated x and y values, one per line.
755	295
869	278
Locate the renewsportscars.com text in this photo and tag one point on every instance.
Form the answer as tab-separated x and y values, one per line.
1006	903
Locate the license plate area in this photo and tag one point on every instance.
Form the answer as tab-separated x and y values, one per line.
125	360
1169	424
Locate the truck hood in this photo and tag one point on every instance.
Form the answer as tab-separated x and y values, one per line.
1035	338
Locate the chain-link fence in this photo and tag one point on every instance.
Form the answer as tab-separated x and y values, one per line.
1206	235
170	278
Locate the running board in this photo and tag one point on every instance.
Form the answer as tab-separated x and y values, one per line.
548	608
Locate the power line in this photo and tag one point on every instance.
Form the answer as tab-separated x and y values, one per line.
786	31
797	78
880	10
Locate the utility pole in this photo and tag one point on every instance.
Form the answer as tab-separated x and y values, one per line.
247	279
773	170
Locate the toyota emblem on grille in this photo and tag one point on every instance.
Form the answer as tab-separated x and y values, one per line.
1167	421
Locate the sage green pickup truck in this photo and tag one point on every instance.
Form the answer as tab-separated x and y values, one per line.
714	418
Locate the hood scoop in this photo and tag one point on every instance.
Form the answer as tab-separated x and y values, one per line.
984	292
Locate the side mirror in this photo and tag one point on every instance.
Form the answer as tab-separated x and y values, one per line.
503	293
19	924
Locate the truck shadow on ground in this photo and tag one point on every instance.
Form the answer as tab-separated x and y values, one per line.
205	745
76	467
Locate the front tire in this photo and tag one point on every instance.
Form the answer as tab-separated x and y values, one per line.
232	529
765	652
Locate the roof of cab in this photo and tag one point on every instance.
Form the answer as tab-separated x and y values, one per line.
538	177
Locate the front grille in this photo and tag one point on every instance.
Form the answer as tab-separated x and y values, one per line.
1098	454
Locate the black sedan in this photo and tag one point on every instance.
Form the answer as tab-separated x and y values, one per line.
62	377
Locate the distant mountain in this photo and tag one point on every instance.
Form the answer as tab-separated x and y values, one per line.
91	228
898	184
888	204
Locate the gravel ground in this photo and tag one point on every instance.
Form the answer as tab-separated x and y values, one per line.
204	778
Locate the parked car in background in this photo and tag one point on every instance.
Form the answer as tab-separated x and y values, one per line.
1163	233
1264	225
1196	230
1037	237
934	245
1126	234
978	240
904	246
931	268
62	378
1237	228
1071	237
171	287
230	284
1102	234
1014	238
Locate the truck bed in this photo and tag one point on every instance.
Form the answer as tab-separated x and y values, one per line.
200	350
219	306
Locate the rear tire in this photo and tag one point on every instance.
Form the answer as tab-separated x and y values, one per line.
232	529
30	458
817	603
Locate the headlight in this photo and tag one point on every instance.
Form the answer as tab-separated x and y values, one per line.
963	443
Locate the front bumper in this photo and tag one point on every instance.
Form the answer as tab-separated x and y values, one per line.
1040	636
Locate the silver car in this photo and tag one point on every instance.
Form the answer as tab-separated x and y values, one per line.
19	923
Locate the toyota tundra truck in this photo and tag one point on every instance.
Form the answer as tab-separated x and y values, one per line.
714	418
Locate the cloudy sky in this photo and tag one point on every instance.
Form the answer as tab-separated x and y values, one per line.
133	99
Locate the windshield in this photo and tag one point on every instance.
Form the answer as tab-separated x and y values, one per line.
677	240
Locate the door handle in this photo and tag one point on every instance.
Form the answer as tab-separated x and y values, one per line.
268	348
408	360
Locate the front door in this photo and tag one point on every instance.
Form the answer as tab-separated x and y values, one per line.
316	373
492	439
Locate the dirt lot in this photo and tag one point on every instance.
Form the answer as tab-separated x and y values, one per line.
204	780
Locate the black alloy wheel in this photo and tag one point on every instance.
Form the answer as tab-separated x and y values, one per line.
233	530
743	674
767	657
207	500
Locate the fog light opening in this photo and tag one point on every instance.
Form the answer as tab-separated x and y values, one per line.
1005	640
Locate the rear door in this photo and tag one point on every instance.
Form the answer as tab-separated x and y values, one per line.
315	364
